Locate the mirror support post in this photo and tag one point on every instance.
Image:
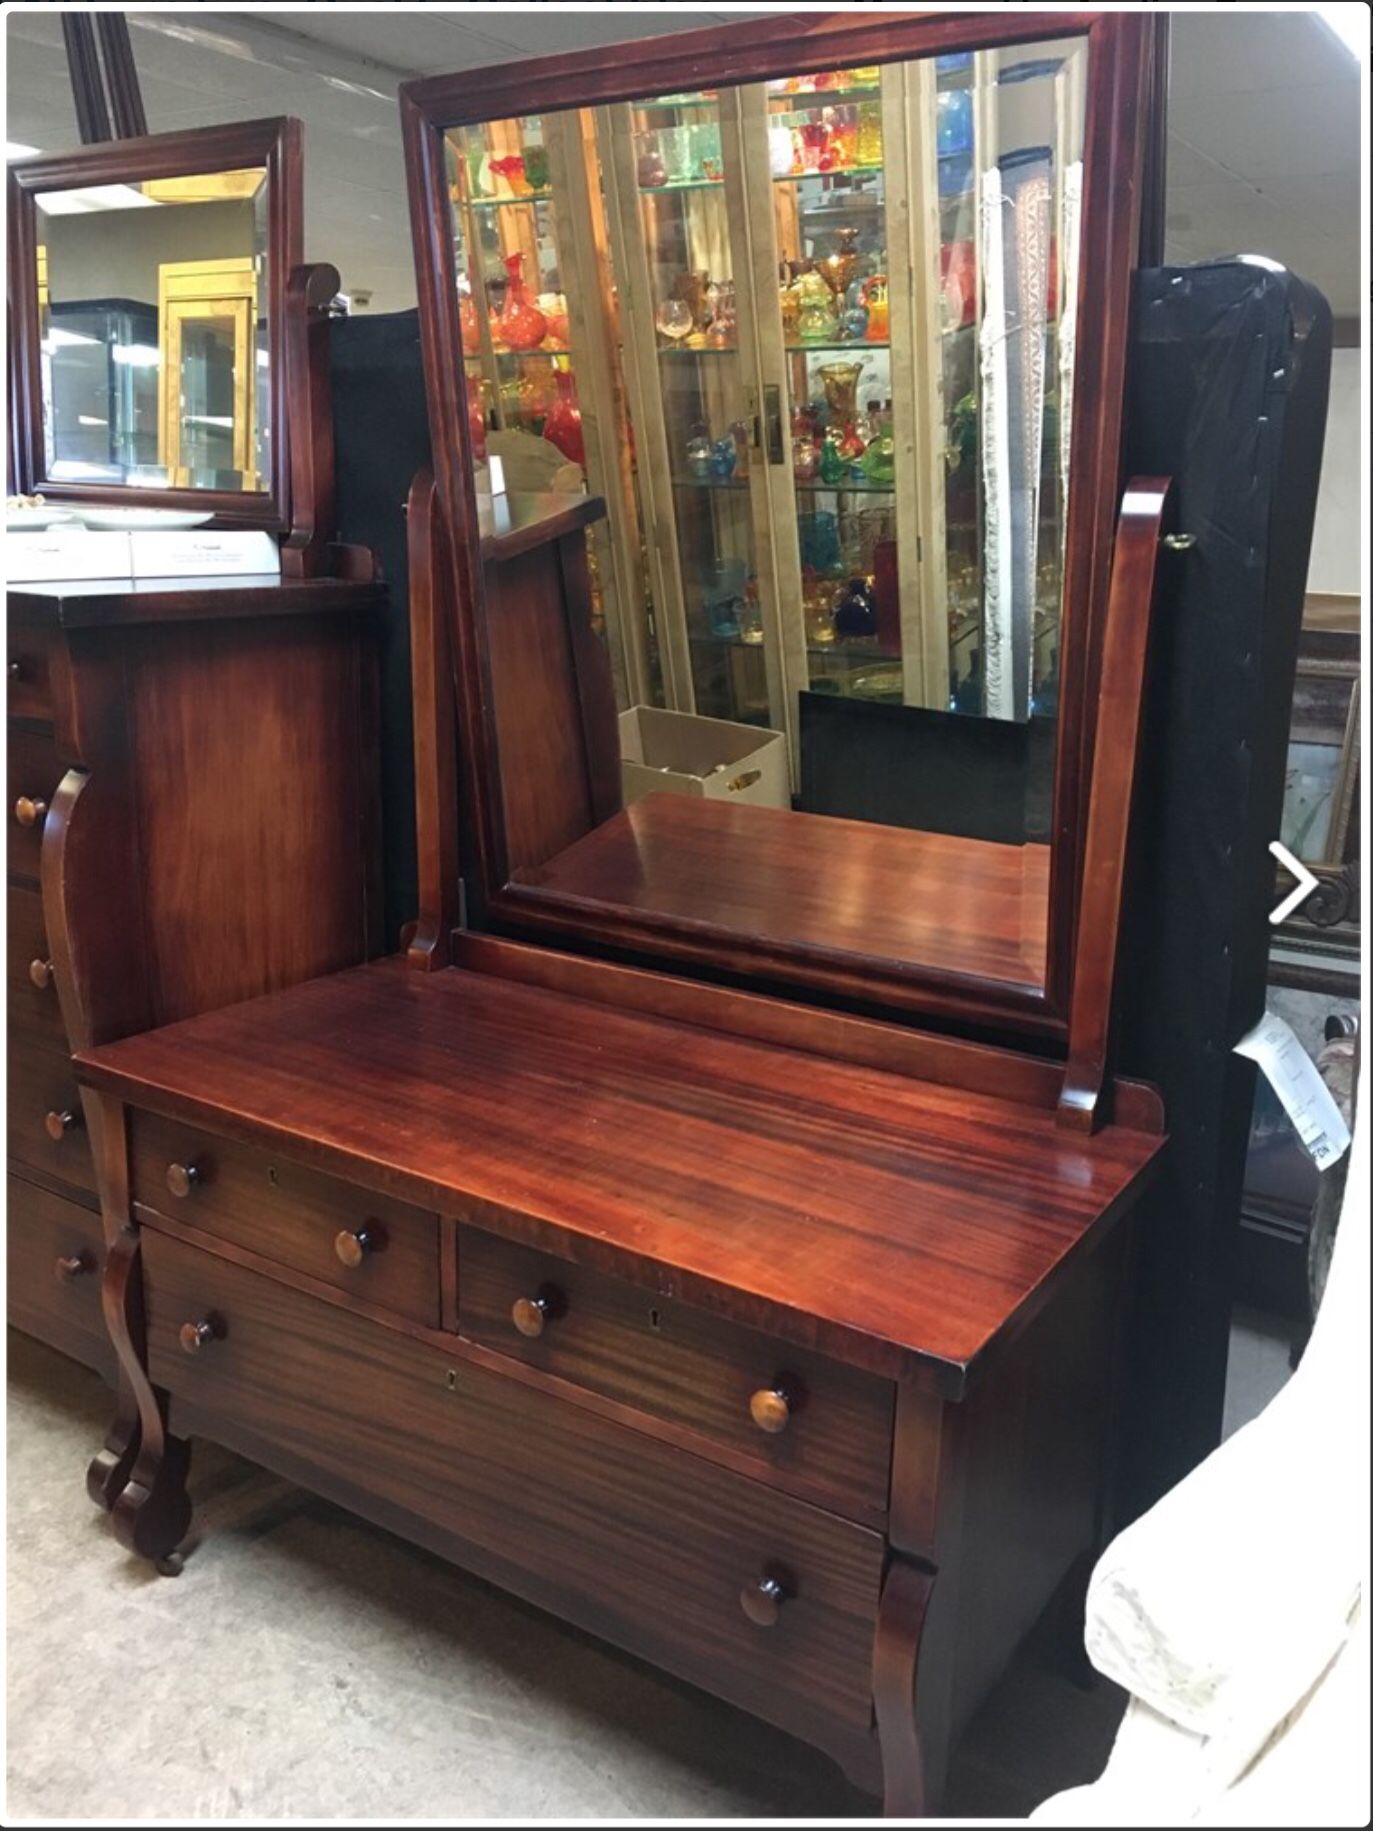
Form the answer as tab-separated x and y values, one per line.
1139	532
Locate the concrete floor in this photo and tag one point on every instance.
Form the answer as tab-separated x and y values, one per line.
307	1665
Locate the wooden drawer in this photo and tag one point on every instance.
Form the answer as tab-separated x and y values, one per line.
831	1426
42	1092
54	1250
637	1541
28	652
272	1206
34	773
33	1006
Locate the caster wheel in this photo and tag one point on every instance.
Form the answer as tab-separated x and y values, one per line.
171	1565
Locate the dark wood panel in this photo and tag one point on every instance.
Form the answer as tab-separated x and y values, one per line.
34	772
92	603
54	1249
27	652
275	1207
831	1427
880	1220
808	881
33	1012
43	1092
644	1544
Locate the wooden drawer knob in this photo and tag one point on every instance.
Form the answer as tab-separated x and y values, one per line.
762	1599
40	974
73	1265
16	670
57	1125
531	1315
352	1244
29	812
771	1406
182	1178
195	1336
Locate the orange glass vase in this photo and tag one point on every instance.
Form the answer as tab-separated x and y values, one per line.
521	325
563	427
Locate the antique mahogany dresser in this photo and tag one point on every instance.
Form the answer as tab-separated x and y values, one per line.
712	1227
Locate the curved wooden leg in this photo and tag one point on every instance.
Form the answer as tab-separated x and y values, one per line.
111	1465
152	1511
896	1657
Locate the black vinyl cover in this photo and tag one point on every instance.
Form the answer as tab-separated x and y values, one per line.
1229	385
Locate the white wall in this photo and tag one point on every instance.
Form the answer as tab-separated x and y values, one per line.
1335	543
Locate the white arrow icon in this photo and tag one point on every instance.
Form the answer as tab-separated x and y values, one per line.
1306	882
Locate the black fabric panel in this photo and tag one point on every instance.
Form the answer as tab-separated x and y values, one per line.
936	772
1229	385
381	438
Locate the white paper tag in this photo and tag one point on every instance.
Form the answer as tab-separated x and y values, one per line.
1295	1079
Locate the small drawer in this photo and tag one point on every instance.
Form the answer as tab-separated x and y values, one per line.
54	1250
753	1593
377	1249
34	773
46	1125
28	654
33	1006
798	1418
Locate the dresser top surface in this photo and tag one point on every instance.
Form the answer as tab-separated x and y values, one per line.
88	603
897	1224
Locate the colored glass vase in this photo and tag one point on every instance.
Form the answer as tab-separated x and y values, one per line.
879	460
563	427
855	613
837	269
521	325
468	325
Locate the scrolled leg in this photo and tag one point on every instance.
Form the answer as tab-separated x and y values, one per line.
113	1462
896	1657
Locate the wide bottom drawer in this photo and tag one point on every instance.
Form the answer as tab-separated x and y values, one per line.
54	1250
751	1593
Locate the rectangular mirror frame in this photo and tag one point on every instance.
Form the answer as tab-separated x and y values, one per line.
1123	97
274	144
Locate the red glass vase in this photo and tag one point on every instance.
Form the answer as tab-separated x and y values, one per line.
468	325
521	325
563	427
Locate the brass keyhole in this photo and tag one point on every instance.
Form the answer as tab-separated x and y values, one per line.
272	1175
655	1321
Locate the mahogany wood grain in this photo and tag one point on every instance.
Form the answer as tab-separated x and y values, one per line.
274	1207
1126	643
32	1010
83	70
681	1364
895	1663
101	603
27	654
1120	80
888	1223
274	145
42	1081
433	693
643	1544
310	423
60	1308
810	882
924	1055
121	77
34	772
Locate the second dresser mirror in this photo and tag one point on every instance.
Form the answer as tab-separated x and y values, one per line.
816	340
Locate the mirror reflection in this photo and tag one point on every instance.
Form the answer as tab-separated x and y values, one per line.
812	340
152	310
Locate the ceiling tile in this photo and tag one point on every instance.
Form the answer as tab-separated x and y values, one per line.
1237	53
1284	133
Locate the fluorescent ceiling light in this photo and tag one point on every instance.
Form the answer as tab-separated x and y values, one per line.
89	419
1350	26
15	149
93	197
137	355
58	339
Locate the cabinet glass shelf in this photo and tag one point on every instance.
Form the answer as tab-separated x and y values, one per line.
846	171
507	203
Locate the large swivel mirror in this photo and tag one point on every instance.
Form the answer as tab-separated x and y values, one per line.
147	281
830	313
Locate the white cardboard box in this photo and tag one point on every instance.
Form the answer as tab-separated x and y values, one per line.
66	553
678	753
166	553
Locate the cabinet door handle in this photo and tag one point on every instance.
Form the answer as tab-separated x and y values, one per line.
352	1244
40	974
762	1599
197	1336
58	1124
28	811
73	1265
183	1177
531	1315
771	1406
772	418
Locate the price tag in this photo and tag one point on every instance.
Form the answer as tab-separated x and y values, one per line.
1296	1081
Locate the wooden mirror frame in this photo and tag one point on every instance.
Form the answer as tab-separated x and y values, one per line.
1120	131
274	144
